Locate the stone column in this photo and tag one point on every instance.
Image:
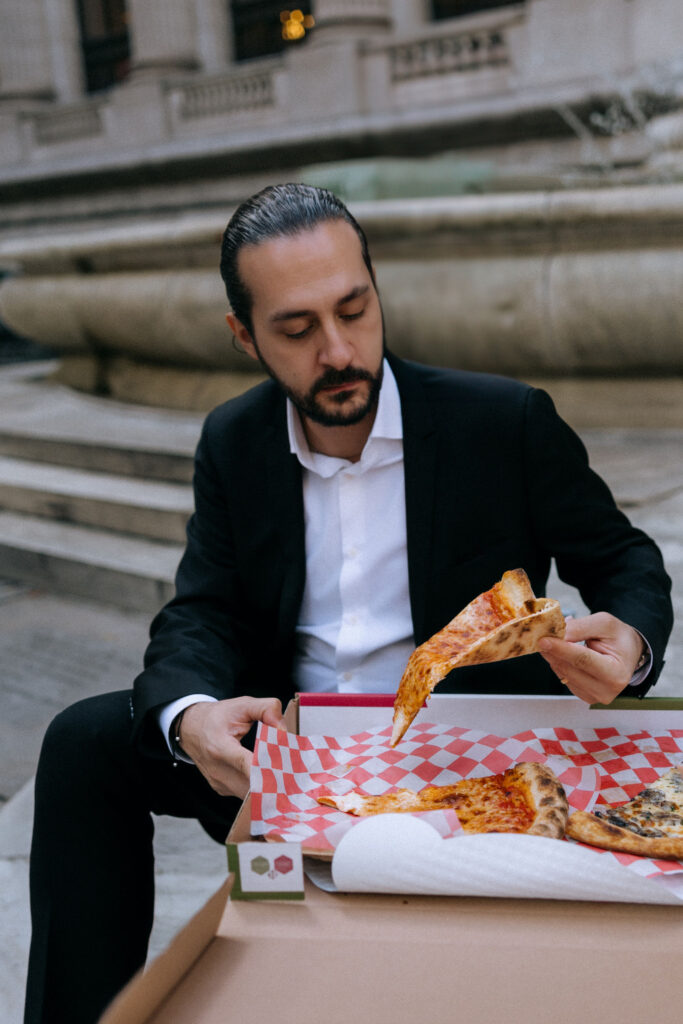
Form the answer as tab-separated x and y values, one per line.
163	37
25	60
163	43
214	34
65	47
350	19
410	15
326	73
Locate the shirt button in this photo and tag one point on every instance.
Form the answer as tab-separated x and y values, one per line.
347	677
352	552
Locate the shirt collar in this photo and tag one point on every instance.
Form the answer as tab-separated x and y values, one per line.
388	425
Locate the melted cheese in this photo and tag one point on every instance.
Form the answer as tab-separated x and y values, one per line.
495	803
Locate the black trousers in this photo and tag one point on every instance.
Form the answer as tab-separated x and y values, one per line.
92	862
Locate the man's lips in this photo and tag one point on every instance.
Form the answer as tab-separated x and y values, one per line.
334	389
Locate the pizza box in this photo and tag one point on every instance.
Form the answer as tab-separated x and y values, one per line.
344	714
404	854
400	957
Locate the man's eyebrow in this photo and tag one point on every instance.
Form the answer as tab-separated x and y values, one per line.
293	314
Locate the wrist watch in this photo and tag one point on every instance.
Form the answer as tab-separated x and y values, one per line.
176	749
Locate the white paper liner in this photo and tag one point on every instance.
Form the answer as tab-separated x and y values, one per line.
398	853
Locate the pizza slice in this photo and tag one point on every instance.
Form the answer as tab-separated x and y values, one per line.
650	825
527	798
504	622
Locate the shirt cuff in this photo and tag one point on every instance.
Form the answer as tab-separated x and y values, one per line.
642	673
169	712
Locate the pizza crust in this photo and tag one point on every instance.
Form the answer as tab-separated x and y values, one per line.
504	622
548	797
585	827
649	825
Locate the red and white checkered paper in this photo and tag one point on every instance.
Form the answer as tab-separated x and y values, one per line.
595	766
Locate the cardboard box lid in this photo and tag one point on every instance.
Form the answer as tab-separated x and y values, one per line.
398	959
408	958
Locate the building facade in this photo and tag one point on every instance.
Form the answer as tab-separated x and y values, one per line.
520	165
118	99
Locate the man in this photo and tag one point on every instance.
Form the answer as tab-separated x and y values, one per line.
345	510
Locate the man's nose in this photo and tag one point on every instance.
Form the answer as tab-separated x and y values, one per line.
336	350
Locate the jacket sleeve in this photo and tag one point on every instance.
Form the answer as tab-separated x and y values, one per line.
197	641
615	566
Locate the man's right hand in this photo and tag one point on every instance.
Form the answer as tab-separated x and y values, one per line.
210	734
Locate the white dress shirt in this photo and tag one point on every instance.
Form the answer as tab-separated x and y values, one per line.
355	630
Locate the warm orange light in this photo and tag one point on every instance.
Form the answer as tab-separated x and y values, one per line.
295	23
293	30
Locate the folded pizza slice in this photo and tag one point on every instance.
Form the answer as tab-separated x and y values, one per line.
504	622
527	798
650	825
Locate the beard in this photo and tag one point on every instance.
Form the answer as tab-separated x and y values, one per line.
349	411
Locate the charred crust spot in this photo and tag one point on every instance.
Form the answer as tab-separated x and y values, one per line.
503	636
516	649
612	830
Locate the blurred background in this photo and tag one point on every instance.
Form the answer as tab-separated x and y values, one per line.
518	167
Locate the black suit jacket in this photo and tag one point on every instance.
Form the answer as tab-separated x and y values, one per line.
494	480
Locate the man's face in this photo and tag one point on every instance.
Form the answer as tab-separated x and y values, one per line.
317	321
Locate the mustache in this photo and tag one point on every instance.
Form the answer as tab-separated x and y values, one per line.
332	378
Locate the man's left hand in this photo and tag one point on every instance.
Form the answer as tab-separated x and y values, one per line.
597	657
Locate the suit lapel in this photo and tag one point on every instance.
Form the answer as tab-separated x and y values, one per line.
420	454
286	513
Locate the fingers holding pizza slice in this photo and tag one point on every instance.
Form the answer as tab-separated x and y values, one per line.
504	622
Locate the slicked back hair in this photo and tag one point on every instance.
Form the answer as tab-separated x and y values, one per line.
274	212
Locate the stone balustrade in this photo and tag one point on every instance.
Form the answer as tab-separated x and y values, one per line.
226	94
448	54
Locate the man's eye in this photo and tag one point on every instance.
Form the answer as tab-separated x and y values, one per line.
352	316
297	334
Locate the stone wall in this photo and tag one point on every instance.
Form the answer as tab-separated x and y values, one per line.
559	283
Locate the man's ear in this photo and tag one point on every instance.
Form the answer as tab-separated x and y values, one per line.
242	334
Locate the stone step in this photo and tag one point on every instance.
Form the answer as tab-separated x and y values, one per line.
42	421
130	572
99	456
155	510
